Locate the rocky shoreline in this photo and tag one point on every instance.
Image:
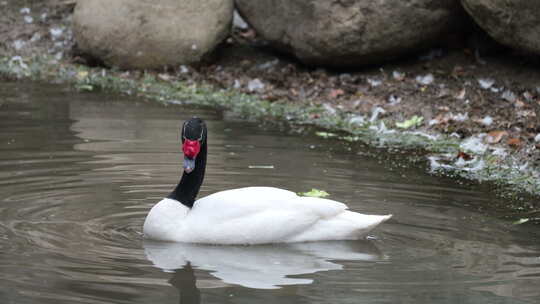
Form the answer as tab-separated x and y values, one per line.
478	120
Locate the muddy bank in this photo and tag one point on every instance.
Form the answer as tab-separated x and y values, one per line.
477	119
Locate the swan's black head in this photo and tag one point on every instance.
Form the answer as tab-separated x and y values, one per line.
193	139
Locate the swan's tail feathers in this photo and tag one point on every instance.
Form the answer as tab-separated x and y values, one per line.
385	218
371	221
362	224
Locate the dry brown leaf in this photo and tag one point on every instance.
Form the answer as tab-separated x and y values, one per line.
464	155
440	119
336	93
461	94
514	142
494	137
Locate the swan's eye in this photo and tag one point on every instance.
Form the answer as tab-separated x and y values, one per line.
191	148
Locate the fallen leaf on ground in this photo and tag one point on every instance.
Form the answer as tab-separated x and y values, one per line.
519	104
464	155
399	76
164	77
514	142
486	83
494	137
425	79
461	94
413	122
314	193
336	93
509	96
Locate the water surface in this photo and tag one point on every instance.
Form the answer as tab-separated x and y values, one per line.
79	172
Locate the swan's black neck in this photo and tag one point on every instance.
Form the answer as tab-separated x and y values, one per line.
187	189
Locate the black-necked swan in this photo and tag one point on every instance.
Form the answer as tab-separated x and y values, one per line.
252	215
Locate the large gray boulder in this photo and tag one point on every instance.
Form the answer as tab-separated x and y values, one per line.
515	23
145	34
351	32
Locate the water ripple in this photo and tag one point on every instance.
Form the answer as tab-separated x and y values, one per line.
79	175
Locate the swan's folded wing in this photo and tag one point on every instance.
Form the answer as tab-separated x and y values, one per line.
257	215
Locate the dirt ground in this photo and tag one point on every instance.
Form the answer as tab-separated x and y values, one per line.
454	91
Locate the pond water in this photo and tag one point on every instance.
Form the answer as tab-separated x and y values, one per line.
79	172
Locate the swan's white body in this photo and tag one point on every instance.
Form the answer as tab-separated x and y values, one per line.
256	215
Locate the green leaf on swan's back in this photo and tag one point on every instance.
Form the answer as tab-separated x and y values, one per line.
314	193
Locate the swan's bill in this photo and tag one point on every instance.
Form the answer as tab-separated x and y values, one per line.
189	164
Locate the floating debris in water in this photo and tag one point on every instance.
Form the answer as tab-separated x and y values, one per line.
28	19
537	138
25	10
521	221
261	167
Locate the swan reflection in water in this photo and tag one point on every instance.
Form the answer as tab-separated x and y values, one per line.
261	267
185	281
